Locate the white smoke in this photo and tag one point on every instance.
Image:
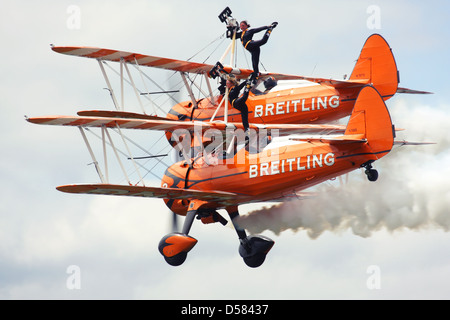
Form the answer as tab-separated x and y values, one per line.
412	191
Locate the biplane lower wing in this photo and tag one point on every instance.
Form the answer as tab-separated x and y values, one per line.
220	198
171	125
147	192
118	114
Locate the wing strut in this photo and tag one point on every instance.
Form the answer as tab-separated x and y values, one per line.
145	86
211	94
134	87
113	96
191	94
118	158
105	142
97	167
130	156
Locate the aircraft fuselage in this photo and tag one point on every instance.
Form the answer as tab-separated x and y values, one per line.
288	103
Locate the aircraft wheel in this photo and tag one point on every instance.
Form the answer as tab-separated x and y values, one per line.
372	174
175	246
256	260
253	249
176	260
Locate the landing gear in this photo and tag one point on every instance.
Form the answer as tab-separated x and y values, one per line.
175	246
371	173
253	249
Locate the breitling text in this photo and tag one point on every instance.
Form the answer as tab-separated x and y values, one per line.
291	164
300	105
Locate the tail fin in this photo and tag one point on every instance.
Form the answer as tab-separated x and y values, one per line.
376	64
371	120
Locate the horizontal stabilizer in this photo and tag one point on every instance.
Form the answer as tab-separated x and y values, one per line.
349	138
339	84
410	91
411	143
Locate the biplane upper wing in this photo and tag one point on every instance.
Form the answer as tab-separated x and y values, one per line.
146	60
188	66
171	125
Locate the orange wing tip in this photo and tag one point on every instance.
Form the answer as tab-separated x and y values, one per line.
62	49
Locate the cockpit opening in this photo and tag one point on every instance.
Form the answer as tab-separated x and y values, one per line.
263	86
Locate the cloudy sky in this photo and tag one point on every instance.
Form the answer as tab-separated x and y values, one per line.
383	240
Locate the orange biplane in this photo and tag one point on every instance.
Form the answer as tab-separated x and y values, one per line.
222	169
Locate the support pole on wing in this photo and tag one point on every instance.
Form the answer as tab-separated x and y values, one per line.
225	16
233	50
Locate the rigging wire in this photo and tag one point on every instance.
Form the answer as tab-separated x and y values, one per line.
222	36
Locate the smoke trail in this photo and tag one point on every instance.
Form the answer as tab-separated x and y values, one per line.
413	190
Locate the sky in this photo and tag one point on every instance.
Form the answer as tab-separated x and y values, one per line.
382	240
